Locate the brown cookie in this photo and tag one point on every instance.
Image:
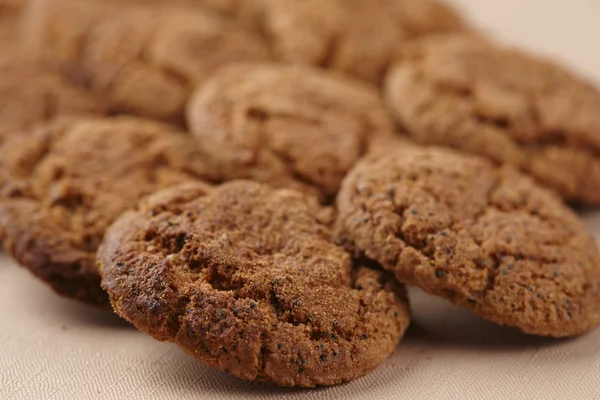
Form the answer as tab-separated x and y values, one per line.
487	238
247	280
65	183
31	93
142	60
504	104
9	15
248	12
358	37
287	126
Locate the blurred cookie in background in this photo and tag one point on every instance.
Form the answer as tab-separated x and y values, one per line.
141	60
31	93
289	126
247	12
357	37
65	182
10	11
502	103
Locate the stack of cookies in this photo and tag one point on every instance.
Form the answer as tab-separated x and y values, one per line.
257	180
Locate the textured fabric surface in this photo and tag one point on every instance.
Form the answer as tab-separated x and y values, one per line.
52	348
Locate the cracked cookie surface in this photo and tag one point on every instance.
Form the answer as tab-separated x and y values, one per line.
65	183
142	60
246	278
511	107
288	126
357	37
487	238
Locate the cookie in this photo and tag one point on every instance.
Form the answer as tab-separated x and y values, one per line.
65	183
504	104
32	93
288	126
486	238
246	12
246	279
357	37
143	60
9	15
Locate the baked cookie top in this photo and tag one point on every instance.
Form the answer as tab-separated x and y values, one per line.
487	238
504	104
288	126
143	60
246	279
65	183
31	93
358	37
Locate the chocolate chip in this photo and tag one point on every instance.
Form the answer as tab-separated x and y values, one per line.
440	273
323	357
364	336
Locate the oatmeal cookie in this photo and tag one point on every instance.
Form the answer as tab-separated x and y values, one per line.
487	238
142	60
246	278
288	126
357	37
65	183
501	103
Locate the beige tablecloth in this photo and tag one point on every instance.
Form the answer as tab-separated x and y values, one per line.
52	348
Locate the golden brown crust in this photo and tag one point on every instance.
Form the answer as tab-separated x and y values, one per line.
287	126
504	104
357	37
246	279
64	184
488	239
142	60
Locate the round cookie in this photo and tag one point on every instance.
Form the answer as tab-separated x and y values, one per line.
246	279
65	183
288	126
511	107
143	60
487	238
357	37
31	93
